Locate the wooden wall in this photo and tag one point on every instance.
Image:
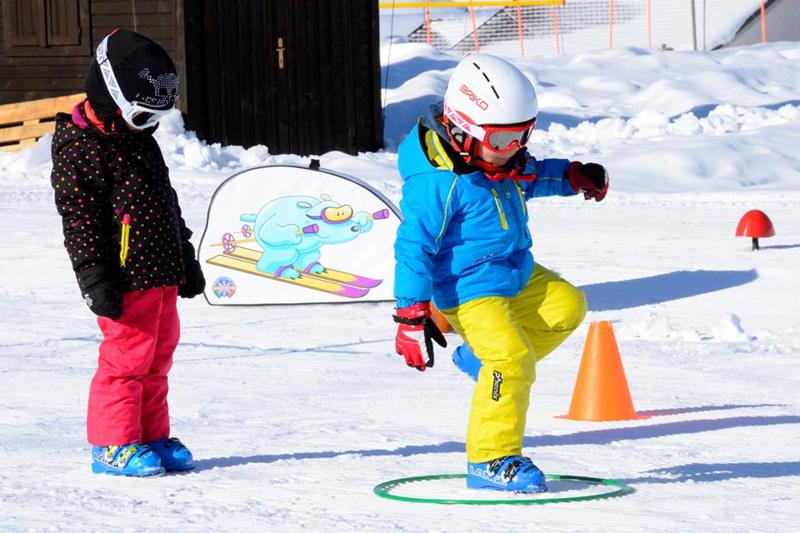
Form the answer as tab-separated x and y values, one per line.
44	71
300	76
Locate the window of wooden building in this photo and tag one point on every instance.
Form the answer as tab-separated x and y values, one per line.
46	27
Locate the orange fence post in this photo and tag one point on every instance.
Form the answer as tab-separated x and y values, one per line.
521	32
611	23
649	23
428	22
557	32
474	27
763	23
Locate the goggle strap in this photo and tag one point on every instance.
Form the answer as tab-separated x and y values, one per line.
459	121
110	79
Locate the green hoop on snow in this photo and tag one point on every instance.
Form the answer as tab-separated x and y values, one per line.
620	489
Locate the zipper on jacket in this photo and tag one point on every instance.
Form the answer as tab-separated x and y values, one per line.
124	240
503	220
505	188
522	199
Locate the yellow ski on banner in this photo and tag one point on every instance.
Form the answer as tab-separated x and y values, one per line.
249	267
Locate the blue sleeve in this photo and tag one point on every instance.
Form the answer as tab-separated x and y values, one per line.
551	178
427	207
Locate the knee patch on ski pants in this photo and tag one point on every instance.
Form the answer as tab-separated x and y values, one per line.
509	335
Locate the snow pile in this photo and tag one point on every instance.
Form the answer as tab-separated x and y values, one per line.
651	124
729	329
28	164
656	327
183	150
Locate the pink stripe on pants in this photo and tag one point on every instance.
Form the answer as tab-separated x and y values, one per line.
128	395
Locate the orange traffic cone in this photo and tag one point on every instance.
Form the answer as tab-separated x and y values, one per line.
440	321
601	390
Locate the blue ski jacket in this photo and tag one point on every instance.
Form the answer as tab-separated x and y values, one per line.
463	236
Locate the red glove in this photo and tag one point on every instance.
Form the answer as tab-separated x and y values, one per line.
591	179
415	325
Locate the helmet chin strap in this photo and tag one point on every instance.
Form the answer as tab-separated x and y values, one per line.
512	170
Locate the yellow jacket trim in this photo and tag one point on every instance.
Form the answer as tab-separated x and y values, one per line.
124	241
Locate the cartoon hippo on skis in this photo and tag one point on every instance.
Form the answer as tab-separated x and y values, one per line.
292	229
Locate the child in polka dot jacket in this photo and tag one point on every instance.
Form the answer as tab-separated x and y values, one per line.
129	248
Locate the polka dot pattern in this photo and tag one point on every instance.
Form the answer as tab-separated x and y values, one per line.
98	179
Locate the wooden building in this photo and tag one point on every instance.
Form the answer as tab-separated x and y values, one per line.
299	76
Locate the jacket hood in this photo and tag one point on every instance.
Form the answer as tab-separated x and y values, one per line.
68	130
412	156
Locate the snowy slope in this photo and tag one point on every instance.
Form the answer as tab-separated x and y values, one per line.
295	413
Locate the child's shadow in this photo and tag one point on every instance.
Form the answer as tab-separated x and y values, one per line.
600	436
707	472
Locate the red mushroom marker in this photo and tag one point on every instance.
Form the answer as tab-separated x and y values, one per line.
755	224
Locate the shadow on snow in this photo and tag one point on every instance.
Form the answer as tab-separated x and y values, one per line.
702	408
615	295
707	472
600	436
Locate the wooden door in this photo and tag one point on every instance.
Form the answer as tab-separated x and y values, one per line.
299	76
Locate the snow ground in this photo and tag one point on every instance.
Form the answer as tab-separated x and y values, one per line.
295	413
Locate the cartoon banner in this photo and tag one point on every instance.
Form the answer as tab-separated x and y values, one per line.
287	234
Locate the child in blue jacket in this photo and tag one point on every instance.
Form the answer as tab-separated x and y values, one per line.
465	243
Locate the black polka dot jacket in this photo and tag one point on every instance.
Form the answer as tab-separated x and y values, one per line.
117	206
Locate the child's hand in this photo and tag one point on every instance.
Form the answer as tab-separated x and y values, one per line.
100	292
195	282
415	325
591	179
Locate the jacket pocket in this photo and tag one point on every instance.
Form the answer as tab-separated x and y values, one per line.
500	212
124	240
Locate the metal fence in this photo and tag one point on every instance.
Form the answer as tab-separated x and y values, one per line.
513	29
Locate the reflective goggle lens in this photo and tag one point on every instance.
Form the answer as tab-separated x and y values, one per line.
141	118
502	139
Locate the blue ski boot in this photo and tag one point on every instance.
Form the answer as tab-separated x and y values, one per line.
467	362
175	457
137	460
513	472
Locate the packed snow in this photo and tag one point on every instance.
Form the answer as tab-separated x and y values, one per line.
295	413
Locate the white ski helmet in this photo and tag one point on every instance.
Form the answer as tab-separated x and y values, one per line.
487	90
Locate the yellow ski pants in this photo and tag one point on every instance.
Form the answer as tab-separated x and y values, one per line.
510	335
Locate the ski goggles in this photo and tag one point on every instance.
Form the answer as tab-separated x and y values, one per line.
506	138
334	215
497	138
144	117
342	214
137	115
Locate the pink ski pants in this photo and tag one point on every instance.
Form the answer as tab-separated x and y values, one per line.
128	395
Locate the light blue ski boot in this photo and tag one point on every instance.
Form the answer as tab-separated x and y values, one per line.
513	472
175	457
137	460
467	362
